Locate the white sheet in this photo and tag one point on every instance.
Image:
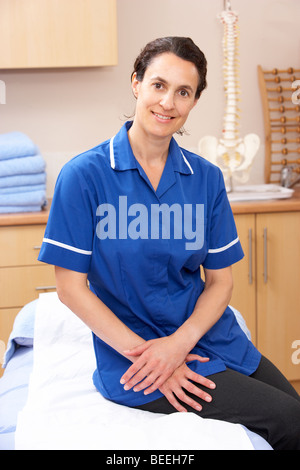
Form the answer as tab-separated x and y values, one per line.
64	410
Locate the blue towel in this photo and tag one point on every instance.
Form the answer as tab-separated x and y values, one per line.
15	209
29	198
20	166
22	189
23	180
23	330
15	145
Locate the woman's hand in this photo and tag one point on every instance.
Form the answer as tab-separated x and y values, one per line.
180	381
157	360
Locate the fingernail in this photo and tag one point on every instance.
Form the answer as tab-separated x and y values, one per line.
208	398
122	381
212	386
126	387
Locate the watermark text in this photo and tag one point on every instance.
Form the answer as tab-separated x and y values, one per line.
161	221
296	353
296	94
2	92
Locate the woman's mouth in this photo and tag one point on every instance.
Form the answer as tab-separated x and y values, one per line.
162	117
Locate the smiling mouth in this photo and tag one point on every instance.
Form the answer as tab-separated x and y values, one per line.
161	116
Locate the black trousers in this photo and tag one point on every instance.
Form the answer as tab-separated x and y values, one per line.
264	402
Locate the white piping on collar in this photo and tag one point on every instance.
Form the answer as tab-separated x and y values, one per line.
112	153
186	162
113	163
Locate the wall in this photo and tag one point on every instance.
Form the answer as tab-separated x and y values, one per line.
68	111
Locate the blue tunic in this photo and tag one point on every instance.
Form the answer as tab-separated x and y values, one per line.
142	250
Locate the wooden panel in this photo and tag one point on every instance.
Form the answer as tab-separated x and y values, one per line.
20	245
25	218
296	386
281	119
57	33
20	285
278	289
244	276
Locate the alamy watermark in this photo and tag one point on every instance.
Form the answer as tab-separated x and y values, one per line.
2	351
296	353
137	222
296	94
2	92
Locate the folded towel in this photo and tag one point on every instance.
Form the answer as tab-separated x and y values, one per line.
30	198
16	144
20	166
22	189
23	180
22	332
15	209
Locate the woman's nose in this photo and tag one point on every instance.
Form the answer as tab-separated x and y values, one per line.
167	101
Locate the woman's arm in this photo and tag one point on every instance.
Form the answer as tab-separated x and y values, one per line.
208	309
209	306
73	291
163	357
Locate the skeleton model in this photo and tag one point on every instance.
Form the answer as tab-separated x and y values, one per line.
231	153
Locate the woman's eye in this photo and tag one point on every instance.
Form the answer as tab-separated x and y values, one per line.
183	93
158	86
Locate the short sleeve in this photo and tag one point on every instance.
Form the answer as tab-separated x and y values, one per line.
69	233
224	247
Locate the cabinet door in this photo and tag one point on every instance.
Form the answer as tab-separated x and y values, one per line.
57	33
22	284
20	245
278	289
244	277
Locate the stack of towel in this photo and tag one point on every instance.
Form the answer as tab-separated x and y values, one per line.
22	174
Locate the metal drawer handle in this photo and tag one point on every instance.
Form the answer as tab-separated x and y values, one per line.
45	287
265	255
250	255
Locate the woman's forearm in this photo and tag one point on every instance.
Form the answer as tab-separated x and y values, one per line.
75	294
208	309
168	353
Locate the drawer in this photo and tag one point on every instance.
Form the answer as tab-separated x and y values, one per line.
19	245
20	285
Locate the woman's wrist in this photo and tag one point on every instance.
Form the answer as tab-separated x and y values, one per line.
185	339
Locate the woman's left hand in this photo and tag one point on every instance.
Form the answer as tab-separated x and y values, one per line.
157	360
184	380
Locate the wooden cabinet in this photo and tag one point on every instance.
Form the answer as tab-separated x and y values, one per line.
57	33
22	276
244	273
267	281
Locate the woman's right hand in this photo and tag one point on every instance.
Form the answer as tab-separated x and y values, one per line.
180	381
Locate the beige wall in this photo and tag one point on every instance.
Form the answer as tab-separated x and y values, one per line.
68	111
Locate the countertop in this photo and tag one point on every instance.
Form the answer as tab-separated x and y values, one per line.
291	204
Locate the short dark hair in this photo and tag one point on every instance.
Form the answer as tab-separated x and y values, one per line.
182	47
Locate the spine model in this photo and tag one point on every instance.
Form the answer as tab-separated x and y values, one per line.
231	153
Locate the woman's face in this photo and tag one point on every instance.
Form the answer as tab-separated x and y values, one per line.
166	95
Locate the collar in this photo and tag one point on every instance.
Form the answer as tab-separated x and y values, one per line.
122	157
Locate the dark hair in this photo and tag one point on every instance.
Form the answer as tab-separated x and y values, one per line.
183	47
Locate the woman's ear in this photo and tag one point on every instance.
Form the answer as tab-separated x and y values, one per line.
135	85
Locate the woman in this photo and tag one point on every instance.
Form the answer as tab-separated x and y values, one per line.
136	216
